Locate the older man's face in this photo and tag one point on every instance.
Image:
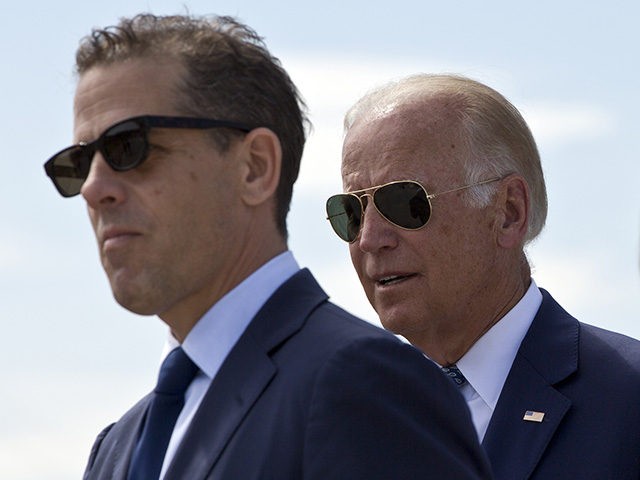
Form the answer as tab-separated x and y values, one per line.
169	232
422	282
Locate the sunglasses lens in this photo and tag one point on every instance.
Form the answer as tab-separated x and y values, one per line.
404	204
345	215
125	145
69	169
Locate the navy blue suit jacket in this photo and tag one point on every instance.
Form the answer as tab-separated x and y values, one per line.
311	392
586	381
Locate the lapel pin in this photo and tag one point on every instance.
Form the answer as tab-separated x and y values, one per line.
531	416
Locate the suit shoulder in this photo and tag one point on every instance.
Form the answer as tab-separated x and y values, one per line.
95	449
108	446
613	350
338	321
384	392
335	329
352	347
332	338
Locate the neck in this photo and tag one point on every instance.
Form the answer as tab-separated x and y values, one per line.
447	345
257	250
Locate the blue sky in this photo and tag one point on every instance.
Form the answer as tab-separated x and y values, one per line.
73	360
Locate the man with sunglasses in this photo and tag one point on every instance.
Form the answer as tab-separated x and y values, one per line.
188	137
443	190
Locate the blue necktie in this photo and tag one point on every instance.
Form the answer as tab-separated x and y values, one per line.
176	374
454	374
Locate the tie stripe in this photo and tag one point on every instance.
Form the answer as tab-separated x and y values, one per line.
454	373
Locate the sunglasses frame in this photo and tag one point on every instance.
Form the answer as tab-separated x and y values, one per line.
363	193
145	123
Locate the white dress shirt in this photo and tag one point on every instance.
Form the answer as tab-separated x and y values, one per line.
488	362
215	334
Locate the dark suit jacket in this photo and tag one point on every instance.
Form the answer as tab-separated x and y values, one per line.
587	382
311	392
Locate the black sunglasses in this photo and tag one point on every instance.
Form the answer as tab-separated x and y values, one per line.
124	146
405	204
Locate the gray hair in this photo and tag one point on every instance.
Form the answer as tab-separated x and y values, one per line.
498	139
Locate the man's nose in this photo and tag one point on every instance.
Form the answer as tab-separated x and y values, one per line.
376	232
103	186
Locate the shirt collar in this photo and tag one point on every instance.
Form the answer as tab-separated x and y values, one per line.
214	335
487	363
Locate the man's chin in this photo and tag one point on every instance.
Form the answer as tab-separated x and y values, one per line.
134	300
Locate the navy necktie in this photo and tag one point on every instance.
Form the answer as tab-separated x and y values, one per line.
454	374
176	374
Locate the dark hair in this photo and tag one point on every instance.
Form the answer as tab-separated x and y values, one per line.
230	75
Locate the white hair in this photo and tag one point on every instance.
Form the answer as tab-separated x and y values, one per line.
498	139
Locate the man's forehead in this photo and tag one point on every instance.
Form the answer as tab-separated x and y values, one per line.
417	141
110	93
418	117
143	74
410	127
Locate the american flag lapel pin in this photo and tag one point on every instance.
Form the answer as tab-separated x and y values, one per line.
531	416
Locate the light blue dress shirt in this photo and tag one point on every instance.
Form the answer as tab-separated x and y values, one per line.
487	363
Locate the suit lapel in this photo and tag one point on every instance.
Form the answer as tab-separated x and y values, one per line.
514	446
244	376
548	355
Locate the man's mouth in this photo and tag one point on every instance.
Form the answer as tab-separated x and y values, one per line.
393	279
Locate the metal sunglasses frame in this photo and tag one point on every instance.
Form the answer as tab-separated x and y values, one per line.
363	193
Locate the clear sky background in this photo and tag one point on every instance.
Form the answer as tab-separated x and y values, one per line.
72	360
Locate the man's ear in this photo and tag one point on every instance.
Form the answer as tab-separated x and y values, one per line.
262	162
513	207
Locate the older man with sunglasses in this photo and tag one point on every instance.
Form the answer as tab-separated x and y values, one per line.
443	190
189	136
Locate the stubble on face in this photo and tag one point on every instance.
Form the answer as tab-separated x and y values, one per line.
165	230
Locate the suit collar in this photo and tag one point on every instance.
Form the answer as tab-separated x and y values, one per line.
547	356
244	375
286	311
551	344
218	330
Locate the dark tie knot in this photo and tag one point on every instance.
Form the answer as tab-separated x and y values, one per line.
176	373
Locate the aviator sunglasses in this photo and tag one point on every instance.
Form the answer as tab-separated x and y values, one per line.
405	204
124	146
